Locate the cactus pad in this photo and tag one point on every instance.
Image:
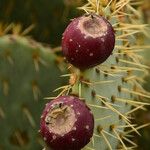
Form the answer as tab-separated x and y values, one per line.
28	72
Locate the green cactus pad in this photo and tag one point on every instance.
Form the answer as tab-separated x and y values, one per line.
28	72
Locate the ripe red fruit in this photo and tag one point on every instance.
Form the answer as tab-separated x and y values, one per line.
67	124
88	41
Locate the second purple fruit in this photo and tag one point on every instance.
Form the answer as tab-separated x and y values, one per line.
67	123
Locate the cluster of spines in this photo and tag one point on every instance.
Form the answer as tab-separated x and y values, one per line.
129	68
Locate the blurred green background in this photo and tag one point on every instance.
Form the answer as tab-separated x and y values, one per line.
50	17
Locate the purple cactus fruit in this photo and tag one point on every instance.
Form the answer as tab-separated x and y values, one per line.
67	124
88	41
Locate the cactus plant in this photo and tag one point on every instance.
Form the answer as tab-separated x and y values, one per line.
26	67
113	89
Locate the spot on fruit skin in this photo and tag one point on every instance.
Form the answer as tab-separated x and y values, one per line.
88	41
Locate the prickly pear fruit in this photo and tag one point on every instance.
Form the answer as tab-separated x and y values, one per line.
88	41
67	123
